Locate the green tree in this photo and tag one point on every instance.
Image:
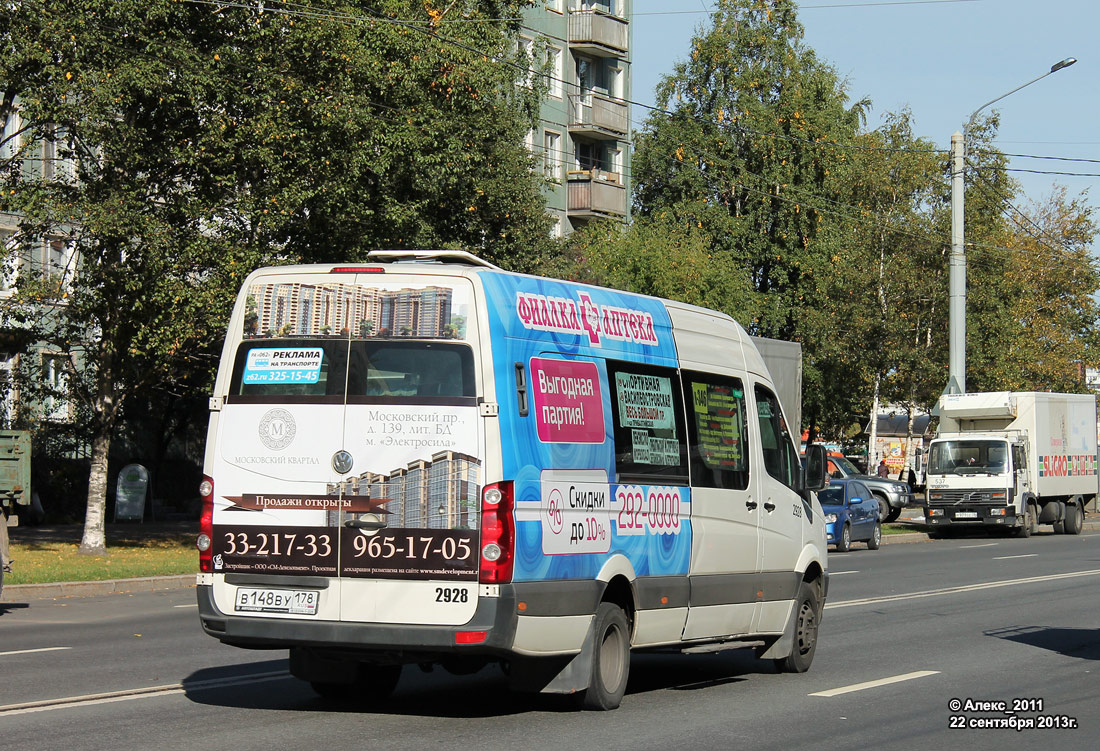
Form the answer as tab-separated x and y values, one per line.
1042	333
874	318
740	148
655	256
204	143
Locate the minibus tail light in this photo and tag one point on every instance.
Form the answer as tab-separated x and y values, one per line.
205	540
357	270
497	534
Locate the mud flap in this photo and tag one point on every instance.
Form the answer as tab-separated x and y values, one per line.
784	645
554	675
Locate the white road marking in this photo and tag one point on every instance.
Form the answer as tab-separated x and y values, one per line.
876	684
147	692
839	573
29	651
956	590
1009	557
985	545
192	605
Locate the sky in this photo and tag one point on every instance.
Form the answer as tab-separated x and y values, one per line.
942	59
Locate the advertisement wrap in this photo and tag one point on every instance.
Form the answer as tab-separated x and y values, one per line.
571	516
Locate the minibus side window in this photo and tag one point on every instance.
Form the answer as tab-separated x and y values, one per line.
716	428
648	415
780	458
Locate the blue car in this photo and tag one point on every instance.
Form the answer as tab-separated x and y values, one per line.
851	514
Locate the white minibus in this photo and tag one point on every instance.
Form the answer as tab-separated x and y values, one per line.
424	459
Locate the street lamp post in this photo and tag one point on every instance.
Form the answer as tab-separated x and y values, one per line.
956	380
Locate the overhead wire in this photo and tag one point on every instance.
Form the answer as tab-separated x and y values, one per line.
563	160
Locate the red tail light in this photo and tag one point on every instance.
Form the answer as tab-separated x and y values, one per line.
498	533
205	540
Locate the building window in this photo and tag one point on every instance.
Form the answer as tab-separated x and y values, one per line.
56	380
9	137
7	388
554	156
58	261
10	268
555	59
607	6
554	5
527	58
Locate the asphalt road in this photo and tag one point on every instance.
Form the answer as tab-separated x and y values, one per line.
907	629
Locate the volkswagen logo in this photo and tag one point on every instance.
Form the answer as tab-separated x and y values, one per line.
342	461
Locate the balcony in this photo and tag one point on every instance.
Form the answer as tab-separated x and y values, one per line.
598	33
596	193
598	116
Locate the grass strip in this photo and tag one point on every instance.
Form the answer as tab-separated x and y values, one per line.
43	562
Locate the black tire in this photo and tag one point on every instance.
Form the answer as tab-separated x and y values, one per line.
893	515
1030	526
806	621
876	537
1074	520
883	509
844	540
610	659
374	683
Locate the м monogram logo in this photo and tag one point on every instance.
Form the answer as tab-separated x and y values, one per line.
277	429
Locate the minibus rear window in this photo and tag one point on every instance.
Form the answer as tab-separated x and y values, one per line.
380	370
404	370
290	368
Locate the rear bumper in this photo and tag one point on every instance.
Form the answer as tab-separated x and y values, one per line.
496	616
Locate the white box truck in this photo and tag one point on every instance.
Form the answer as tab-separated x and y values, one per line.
1012	460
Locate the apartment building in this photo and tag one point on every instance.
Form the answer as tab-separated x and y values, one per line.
52	259
583	136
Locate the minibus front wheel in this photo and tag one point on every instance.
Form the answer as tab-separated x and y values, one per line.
807	616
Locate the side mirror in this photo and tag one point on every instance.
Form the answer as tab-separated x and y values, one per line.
814	475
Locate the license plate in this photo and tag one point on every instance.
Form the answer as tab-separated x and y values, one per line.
290	601
966	514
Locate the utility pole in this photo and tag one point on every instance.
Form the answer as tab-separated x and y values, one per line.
956	377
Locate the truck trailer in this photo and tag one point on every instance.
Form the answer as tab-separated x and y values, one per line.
1012	460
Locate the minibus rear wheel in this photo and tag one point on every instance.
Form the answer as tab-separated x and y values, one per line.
610	659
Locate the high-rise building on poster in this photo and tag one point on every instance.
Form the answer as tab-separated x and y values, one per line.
295	309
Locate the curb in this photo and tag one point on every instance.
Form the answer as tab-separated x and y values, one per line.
21	592
1090	524
905	537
